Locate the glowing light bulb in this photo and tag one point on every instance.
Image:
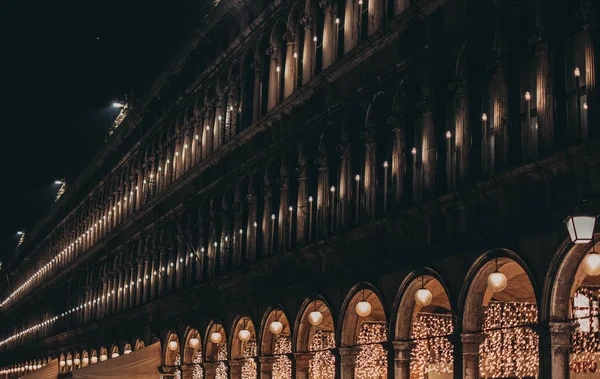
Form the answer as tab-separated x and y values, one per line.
173	345
448	134
591	264
94	359
577	72
276	327
527	96
484	117
215	337
337	20
194	342
315	318
423	297
244	335
497	281
363	308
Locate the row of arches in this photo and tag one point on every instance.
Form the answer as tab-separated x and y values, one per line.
495	323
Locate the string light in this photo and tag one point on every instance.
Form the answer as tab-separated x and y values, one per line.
585	338
221	371
322	363
282	367
198	372
433	353
371	361
249	368
178	363
510	348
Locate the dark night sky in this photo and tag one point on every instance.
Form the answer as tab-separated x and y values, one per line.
58	82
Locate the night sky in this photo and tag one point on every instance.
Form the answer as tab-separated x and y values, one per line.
62	65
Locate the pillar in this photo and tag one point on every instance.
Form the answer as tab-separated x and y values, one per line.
329	44
284	214
273	77
302	204
323	195
347	357
500	138
402	351
238	238
251	230
267	249
256	106
290	71
555	346
370	176
470	348
463	130
544	93
265	367
346	181
590	11
302	360
398	159
429	153
309	54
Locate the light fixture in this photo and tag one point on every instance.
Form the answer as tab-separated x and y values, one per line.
363	308
76	361
278	69
581	227
337	20
127	351
118	104
94	359
315	39
103	357
59	182
357	178
62	363
585	105
576	72
484	117
423	296
496	280
413	151
591	262
244	335
86	360
315	317
448	134
527	96
194	342
276	327
295	55
173	345
114	355
216	337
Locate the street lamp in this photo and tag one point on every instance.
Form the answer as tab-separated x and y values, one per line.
59	182
118	104
581	227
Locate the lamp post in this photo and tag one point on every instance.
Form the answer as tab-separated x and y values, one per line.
385	185
357	179
577	74
529	130
291	209
310	217
332	190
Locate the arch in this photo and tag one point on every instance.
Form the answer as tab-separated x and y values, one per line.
279	345
304	330
103	354
114	351
214	351
172	352
243	348
85	358
350	322
192	352
501	319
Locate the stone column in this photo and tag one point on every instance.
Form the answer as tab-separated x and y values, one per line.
302	204
544	91
256	106
284	214
329	43
555	346
225	241
323	195
155	268
267	249
200	250
347	357
429	153
302	360
375	13
211	252
274	77
218	129
309	53
463	131
345	187
590	10
235	369
501	139
289	79
238	238
187	371
370	176
265	367
470	348
402	351
251	230
210	370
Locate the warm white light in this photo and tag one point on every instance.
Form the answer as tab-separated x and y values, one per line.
173	345
273	216
62	363
276	327
255	224
94	359
527	96
103	357
315	318
194	342
295	55
484	117
278	69
114	355
497	281
315	39
215	337
385	164
86	360
127	351
577	72
448	134
591	264
332	189
414	151
337	20
423	297
220	118
59	182
357	178
581	228
310	199
241	232
585	105
117	104
244	335
363	308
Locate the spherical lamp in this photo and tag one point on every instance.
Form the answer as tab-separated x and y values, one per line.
244	335
173	345
69	362
114	355
276	327
215	337
315	318
363	308
127	351
86	360
62	363
591	264
497	281
103	357
194	342
76	361
94	359
423	297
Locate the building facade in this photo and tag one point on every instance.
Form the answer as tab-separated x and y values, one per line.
334	189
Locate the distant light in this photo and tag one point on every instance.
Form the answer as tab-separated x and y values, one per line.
117	104
19	233
337	20
59	182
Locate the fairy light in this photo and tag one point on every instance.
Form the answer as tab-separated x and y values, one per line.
178	363
221	371
198	372
371	361
322	363
282	367
433	353
511	347
585	338
249	368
